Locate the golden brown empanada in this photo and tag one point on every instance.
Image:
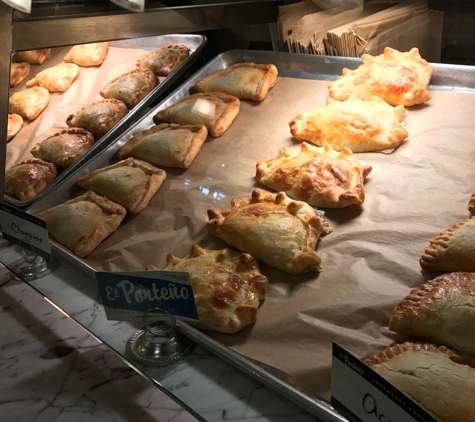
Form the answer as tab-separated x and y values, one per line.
169	145
398	78
32	56
247	81
28	178
131	183
164	60
215	110
14	125
359	125
130	88
18	72
452	250
87	55
471	204
99	117
275	229
29	103
57	78
441	311
321	177
227	286
82	223
441	381
65	147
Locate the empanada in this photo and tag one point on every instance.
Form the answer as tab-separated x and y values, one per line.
65	147
398	78
32	56
275	229
164	60
18	72
57	78
99	117
130	88
14	125
131	183
215	110
82	223
441	381
87	55
441	311
452	250
320	177
168	145
28	178
359	125
227	286
247	81
29	103
471	204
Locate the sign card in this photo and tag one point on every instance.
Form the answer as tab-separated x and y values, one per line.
21	5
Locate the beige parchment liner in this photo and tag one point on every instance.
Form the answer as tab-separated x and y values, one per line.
369	262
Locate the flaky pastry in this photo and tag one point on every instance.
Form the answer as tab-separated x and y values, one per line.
18	72
275	229
14	125
398	78
57	78
359	125
471	204
164	60
29	103
87	55
32	56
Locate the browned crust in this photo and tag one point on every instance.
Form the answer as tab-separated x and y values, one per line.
182	53
471	204
18	72
14	125
71	56
19	107
32	56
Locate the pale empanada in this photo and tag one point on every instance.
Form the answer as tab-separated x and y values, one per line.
164	60
247	81
452	250
32	56
14	125
29	103
321	177
471	204
398	78
64	148
28	178
215	110
441	311
359	125
169	145
18	72
441	381
87	55
57	78
131	183
82	223
130	88
99	117
275	229
227	286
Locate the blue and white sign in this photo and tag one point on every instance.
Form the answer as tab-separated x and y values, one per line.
127	295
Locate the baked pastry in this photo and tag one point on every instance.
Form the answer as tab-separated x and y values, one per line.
215	110
99	117
355	124
87	55
29	103
82	223
441	381
452	250
247	81
471	204
65	147
32	56
57	78
131	183
164	60
18	72
275	229
321	177
440	311
227	287
398	78
130	88
14	125
169	145
28	178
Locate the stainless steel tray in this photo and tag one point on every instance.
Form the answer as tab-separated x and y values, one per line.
195	44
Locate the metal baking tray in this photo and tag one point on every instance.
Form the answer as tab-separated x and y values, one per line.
446	77
195	44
